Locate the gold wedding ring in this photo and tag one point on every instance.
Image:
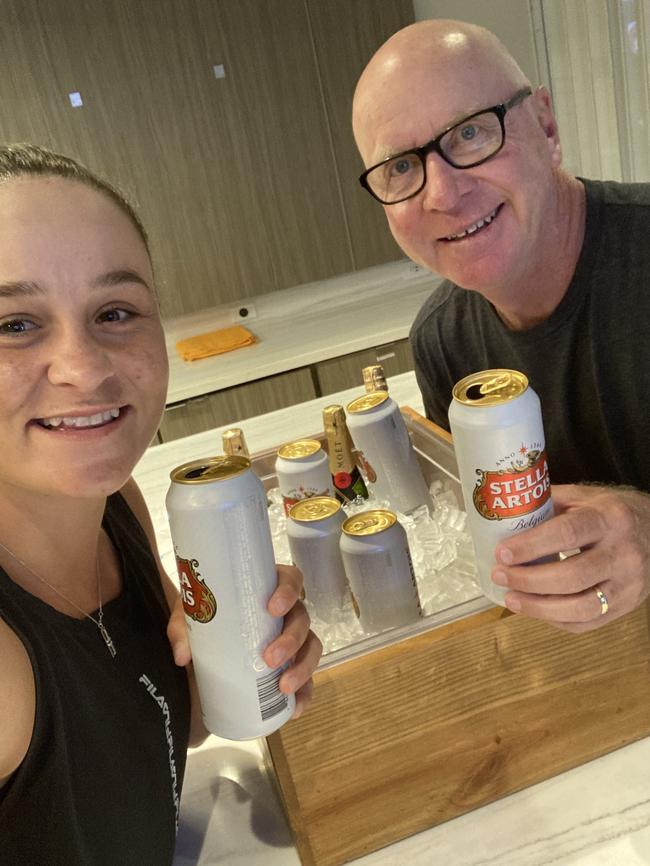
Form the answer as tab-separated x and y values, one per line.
602	598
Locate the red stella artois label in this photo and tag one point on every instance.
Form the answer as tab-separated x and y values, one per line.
520	488
198	600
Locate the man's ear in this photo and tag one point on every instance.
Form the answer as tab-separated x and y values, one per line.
546	118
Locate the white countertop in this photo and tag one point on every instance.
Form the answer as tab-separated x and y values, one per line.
301	326
595	815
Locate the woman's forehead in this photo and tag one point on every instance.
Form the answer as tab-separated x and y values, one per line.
56	225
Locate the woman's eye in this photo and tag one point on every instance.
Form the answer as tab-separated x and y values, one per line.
114	314
16	326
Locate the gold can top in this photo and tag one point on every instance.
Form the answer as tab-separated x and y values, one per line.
374	378
369	522
490	387
367	401
316	508
210	469
234	442
333	415
299	448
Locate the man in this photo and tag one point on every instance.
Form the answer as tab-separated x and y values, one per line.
546	274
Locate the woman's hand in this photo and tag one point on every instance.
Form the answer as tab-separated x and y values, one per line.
296	643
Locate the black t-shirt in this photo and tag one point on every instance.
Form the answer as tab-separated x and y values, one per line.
589	362
101	781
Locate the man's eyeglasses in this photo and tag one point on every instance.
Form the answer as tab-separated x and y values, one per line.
468	143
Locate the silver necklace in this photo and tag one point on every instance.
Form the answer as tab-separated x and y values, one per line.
99	622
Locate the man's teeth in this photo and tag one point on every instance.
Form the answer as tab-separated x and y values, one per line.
82	420
475	227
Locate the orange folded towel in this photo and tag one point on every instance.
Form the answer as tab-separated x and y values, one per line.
214	343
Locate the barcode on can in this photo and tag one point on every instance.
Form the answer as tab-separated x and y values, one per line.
271	699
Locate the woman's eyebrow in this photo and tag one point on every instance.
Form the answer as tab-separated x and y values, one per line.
12	289
117	278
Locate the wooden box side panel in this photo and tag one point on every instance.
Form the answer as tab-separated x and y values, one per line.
422	731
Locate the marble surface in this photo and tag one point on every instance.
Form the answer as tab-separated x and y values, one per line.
301	326
595	815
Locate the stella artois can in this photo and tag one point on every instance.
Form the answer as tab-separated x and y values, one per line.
234	442
496	423
374	378
347	480
224	555
378	565
314	530
303	471
380	435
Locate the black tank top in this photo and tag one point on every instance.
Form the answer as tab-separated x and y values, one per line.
101	781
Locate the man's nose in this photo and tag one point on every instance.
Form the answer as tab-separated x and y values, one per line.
444	184
78	358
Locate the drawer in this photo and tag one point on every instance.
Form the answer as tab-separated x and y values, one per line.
235	404
337	374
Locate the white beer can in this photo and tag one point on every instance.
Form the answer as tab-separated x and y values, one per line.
379	433
496	423
378	564
303	471
224	555
314	531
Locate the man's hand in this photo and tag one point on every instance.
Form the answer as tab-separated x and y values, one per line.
296	643
611	527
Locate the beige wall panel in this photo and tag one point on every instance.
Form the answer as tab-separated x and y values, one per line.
346	35
223	170
337	374
235	404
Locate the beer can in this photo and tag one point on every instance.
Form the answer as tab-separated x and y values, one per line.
379	433
374	378
303	471
224	555
234	442
496	423
378	565
314	530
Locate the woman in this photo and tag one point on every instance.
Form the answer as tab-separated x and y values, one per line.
95	717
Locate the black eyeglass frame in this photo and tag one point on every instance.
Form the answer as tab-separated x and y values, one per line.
434	145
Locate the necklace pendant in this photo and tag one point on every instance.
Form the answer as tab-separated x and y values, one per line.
107	639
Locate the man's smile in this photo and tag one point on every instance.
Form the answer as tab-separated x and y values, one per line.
475	227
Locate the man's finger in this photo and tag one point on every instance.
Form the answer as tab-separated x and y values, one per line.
584	607
561	577
572	529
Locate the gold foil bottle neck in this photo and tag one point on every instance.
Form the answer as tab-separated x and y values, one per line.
374	378
369	522
298	449
316	508
210	469
367	401
333	416
490	387
234	442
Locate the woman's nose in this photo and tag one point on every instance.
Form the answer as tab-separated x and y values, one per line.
80	360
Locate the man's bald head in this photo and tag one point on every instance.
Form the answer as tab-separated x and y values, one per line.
445	60
489	226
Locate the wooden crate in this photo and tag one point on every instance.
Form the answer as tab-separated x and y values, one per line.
413	728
